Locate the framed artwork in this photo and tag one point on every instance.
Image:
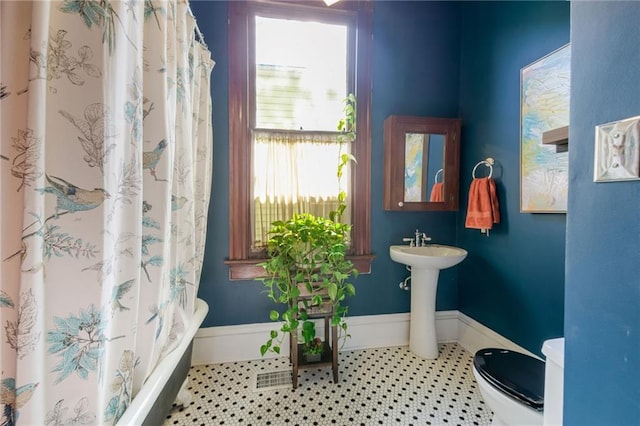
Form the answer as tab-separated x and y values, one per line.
617	154
544	105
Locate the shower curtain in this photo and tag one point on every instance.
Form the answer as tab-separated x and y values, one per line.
105	177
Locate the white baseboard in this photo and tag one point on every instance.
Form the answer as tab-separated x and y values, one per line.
473	336
215	345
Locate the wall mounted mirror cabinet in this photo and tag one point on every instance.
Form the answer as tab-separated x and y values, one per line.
421	163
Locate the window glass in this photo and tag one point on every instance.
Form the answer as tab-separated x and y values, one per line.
300	85
301	74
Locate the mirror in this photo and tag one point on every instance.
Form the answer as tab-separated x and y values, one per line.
421	163
423	167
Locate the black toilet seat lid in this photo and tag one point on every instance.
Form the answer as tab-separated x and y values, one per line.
518	375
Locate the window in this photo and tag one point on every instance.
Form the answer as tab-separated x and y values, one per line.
300	81
285	99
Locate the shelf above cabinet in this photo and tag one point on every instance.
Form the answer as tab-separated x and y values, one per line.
558	137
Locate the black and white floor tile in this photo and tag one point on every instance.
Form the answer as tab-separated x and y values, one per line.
381	386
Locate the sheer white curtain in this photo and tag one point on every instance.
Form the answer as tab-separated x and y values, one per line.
105	179
295	172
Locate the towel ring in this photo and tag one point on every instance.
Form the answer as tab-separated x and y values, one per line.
438	173
488	162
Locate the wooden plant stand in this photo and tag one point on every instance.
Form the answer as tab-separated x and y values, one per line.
330	353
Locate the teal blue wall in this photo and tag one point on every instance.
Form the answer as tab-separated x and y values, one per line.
512	281
602	309
443	59
416	72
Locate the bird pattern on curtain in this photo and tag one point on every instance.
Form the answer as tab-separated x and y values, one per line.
106	159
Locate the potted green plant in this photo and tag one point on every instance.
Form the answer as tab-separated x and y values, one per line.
313	346
307	255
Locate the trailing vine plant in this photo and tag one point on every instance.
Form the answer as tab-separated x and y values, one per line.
307	253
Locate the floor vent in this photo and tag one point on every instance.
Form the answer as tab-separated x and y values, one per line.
275	379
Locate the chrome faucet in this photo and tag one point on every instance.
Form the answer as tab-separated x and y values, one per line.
421	238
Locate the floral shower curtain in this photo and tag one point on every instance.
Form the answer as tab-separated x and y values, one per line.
105	178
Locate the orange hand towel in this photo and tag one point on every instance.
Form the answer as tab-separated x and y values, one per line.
483	210
436	193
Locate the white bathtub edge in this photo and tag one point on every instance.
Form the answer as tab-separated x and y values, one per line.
144	400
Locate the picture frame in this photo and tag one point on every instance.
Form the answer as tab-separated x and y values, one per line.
617	151
544	106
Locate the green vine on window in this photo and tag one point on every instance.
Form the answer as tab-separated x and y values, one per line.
347	127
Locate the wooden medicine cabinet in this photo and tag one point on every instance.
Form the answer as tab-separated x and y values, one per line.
421	163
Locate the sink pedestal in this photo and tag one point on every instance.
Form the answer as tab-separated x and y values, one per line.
426	263
422	328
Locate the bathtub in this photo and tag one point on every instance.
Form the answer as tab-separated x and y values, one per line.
154	400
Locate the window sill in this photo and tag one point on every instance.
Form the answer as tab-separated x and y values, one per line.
248	269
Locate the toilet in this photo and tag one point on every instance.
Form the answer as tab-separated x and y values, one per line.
517	386
512	385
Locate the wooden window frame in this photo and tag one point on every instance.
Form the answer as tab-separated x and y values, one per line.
243	264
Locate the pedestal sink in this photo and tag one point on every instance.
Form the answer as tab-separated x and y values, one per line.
426	263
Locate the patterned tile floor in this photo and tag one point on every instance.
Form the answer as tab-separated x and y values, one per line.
381	386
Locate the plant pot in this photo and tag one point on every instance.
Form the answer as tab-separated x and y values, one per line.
312	357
